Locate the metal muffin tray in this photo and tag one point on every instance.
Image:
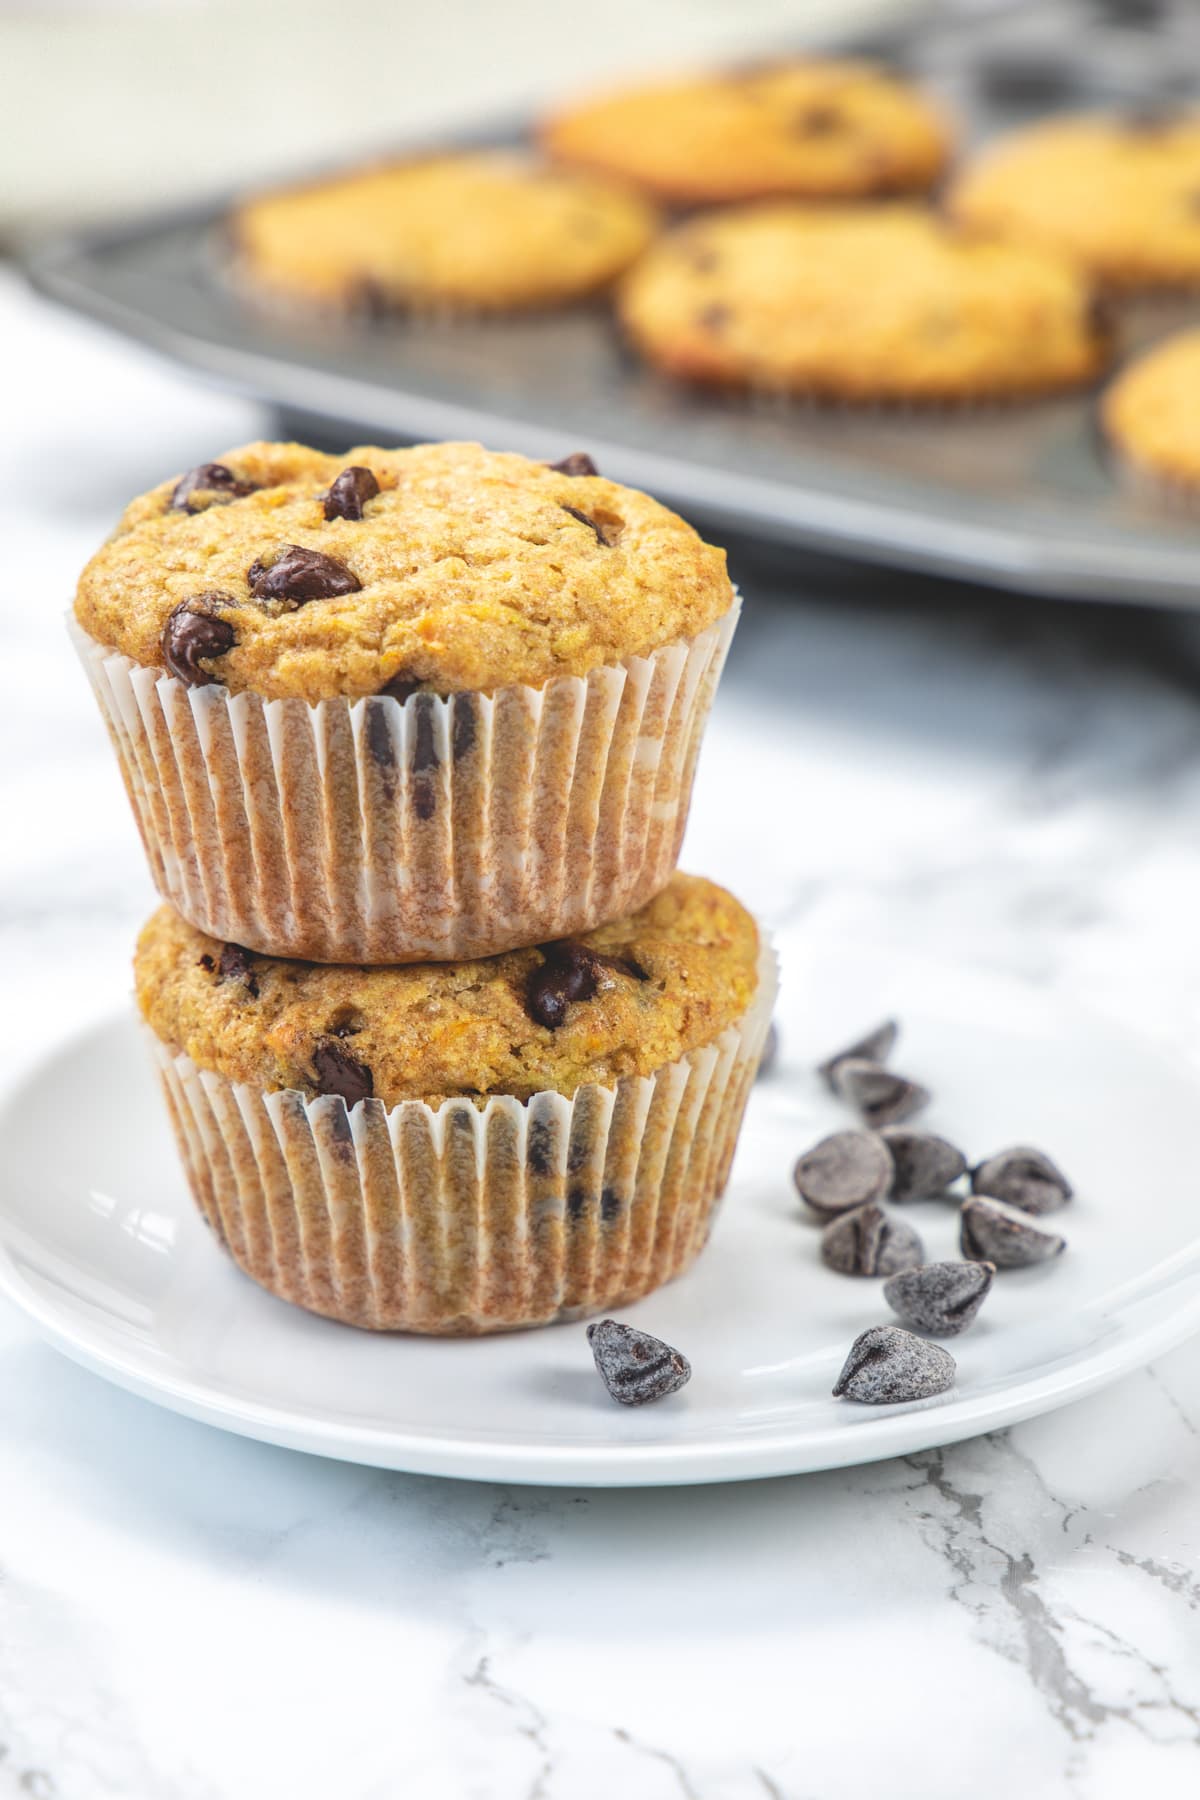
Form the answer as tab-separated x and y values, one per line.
1022	496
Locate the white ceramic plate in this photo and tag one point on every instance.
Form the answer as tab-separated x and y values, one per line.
100	1245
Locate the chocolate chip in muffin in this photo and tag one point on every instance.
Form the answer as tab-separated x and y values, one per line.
462	728
335	1071
194	633
868	1242
301	575
714	318
888	1365
818	121
233	964
592	524
635	1367
350	492
578	463
570	972
208	484
402	687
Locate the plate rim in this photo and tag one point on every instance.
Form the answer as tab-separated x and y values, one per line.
898	1432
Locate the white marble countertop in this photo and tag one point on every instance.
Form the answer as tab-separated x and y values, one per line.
189	1616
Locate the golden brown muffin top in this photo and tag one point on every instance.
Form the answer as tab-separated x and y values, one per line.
285	572
1152	410
818	127
1118	194
861	303
483	231
623	1000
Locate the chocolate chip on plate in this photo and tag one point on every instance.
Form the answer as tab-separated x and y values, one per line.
878	1094
845	1170
569	972
868	1241
992	1231
634	1366
350	492
335	1071
926	1165
212	479
578	463
887	1366
941	1298
194	632
1024	1177
301	575
874	1046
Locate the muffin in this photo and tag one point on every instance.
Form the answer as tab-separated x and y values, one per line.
464	1147
815	127
481	233
404	705
1119	194
1151	417
880	303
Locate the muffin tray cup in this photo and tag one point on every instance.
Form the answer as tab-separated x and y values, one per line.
429	829
469	1217
1019	496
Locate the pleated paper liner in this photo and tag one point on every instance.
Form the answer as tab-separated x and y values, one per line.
430	829
471	1217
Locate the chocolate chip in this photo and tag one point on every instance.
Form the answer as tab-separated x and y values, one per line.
213	480
818	121
926	1165
350	492
462	728
868	1242
577	1202
301	575
874	1046
335	1071
1025	1178
887	1366
881	1097
590	523
941	1298
378	732
194	632
424	756
611	1205
578	463
569	972
843	1171
991	1231
401	687
236	964
635	1367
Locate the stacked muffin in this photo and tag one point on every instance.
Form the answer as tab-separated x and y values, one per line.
428	719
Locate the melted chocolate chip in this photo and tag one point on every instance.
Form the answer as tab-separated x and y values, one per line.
336	1072
401	687
237	964
350	492
570	972
301	575
193	632
590	523
462	731
577	1200
578	463
213	479
425	754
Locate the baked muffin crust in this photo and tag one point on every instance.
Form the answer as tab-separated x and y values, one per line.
468	570
667	980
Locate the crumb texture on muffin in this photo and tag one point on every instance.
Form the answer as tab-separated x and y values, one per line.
1151	412
667	980
816	127
485	231
468	570
874	303
1121	195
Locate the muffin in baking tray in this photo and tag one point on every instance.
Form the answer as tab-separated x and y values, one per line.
405	704
1151	418
1118	193
868	303
467	1146
817	127
484	232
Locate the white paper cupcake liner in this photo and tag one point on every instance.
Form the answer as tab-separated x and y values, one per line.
469	1218
379	830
